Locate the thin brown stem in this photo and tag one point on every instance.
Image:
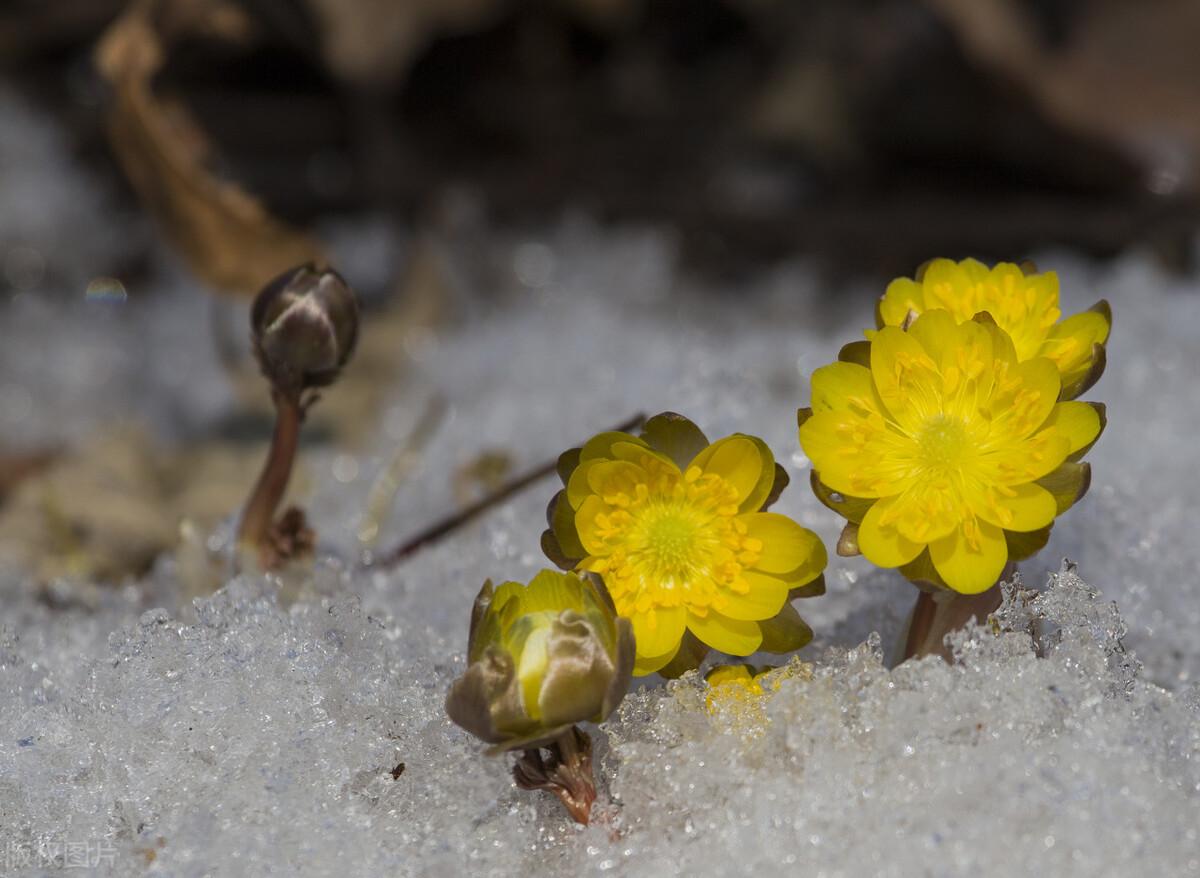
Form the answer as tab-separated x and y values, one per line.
272	483
452	522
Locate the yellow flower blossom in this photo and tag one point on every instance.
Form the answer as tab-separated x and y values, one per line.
738	690
735	681
675	527
948	454
1023	304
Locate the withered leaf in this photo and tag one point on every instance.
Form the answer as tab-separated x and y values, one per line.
227	237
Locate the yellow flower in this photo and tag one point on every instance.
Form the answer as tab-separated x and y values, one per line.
676	528
739	689
737	681
948	454
541	658
1025	305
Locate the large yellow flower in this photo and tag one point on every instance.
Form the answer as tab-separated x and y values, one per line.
948	454
1024	304
675	527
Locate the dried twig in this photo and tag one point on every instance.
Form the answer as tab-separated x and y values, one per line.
450	523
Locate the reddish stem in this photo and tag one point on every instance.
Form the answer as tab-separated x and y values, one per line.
272	483
937	614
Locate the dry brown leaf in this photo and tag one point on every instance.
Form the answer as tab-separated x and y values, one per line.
227	237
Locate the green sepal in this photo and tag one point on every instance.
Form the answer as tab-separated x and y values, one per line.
1026	545
921	573
688	657
847	544
568	461
675	436
1081	386
1068	484
856	352
561	518
784	632
850	508
553	551
813	589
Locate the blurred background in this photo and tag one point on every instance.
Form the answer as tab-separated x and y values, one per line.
866	134
467	162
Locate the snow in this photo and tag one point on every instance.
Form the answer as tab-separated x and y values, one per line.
256	731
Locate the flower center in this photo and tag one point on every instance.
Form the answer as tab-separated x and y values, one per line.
943	441
675	541
669	539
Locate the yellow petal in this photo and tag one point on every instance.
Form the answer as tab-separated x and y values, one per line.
600	445
1069	344
1079	422
552	591
588	528
739	674
640	455
610	479
906	378
853	455
938	333
1024	460
970	564
949	285
643	665
739	461
657	632
1021	406
902	296
578	488
786	546
765	598
1019	508
928	510
884	545
724	634
844	387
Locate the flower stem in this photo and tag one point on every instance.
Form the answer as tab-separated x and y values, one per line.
566	772
935	615
450	523
259	513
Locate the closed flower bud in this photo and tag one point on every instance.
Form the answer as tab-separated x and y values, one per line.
541	658
305	326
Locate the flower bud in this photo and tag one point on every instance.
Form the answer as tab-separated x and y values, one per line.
541	658
304	325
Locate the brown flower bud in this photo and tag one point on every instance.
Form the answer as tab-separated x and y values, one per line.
304	325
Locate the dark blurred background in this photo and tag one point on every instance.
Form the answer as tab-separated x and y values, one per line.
869	135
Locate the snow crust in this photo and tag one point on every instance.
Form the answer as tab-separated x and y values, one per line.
257	731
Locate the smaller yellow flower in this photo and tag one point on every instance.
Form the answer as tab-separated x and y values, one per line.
948	455
541	658
676	528
1023	304
734	681
739	689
